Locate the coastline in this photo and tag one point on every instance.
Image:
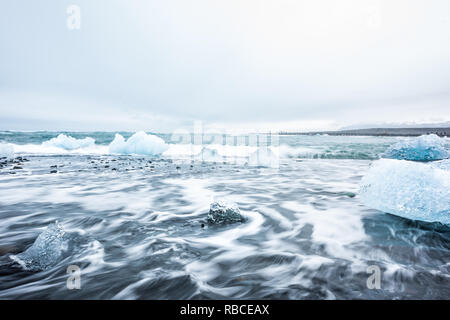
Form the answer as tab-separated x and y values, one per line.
379	132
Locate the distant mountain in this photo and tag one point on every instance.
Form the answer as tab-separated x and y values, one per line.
396	125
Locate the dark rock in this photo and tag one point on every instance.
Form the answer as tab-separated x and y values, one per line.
54	171
17	168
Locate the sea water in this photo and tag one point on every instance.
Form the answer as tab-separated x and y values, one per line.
131	210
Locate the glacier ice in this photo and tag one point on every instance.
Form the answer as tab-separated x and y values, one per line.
46	250
423	148
413	190
6	150
69	143
223	212
138	143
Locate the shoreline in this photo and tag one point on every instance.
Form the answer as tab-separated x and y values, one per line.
380	132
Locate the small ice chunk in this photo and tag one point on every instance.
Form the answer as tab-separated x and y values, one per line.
222	212
46	250
424	148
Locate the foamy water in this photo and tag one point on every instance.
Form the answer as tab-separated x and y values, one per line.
137	227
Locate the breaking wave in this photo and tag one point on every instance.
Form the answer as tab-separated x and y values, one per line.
6	150
408	189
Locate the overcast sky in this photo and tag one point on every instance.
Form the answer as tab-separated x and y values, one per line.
250	65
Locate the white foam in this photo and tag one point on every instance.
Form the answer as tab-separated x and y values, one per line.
51	150
6	150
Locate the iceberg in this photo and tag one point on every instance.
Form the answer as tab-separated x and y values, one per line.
69	143
223	212
6	150
46	250
264	157
138	143
209	155
412	190
424	148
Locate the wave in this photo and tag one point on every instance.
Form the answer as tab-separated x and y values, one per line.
252	156
412	190
145	144
6	150
327	152
40	149
424	148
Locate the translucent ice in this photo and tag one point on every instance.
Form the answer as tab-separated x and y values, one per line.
423	148
138	143
222	212
412	190
69	143
46	250
6	150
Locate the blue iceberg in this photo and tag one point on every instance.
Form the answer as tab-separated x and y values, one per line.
424	148
412	190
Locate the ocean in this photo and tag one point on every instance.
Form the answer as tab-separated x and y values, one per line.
100	215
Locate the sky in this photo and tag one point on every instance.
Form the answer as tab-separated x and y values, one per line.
251	65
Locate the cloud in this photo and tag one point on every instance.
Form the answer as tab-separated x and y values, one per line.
153	64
